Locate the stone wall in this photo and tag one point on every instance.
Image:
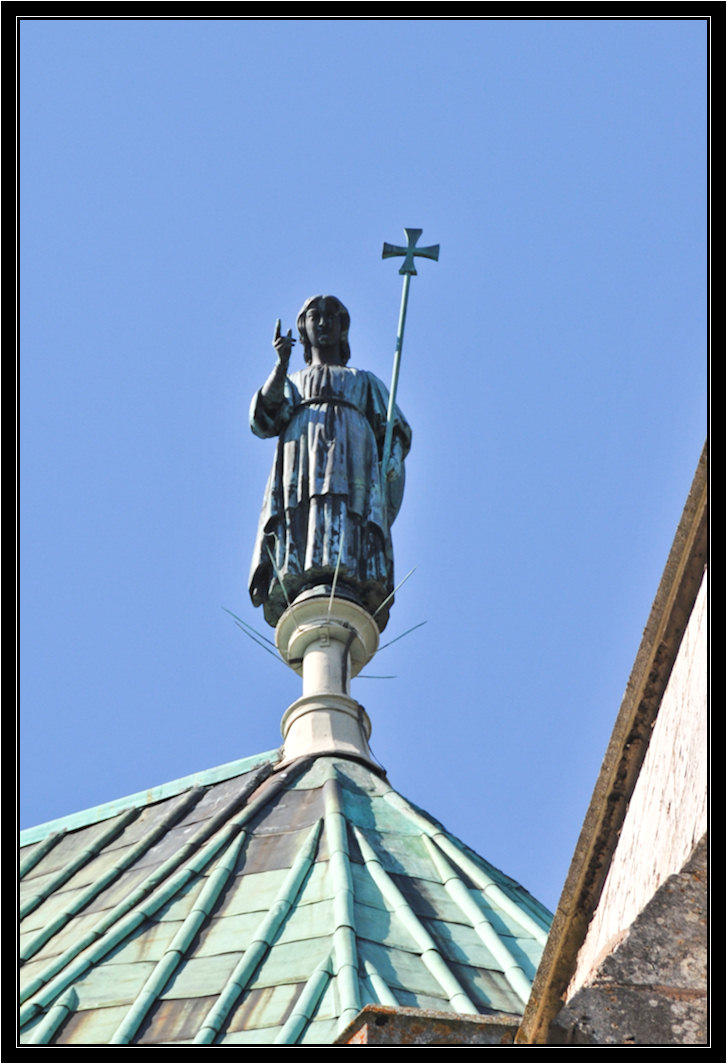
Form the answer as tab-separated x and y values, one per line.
651	990
667	814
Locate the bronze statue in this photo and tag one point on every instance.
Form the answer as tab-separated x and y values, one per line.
327	512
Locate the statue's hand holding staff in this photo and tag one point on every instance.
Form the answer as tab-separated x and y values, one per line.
283	345
395	463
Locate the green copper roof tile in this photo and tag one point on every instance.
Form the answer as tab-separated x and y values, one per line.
320	1032
116	892
265	1007
266	853
171	902
528	951
54	1018
256	1036
263	937
46	913
93	1026
174	955
489	989
477	915
329	1006
458	942
174	1020
345	956
29	974
429	899
34	888
73	929
253	893
402	854
113	984
365	889
226	934
142	798
305	1006
287	962
292	811
68	844
269	906
419	1000
108	883
31	855
382	926
66	872
150	943
201	977
113	928
400	969
379	991
155	820
306	922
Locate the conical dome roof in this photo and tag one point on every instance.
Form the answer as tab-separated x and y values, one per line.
262	903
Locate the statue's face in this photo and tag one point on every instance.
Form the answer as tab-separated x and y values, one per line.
323	326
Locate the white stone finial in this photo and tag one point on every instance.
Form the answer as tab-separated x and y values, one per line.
326	640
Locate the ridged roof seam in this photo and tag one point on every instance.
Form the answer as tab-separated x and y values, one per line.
339	863
430	954
488	886
465	901
484	881
86	896
150	796
64	874
380	987
345	951
175	951
262	938
31	860
99	942
54	1019
306	1005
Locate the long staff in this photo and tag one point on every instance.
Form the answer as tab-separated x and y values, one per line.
408	269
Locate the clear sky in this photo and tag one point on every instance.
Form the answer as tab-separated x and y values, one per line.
184	183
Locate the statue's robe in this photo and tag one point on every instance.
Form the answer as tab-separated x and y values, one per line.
324	487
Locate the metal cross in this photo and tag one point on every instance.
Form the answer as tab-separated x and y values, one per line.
412	235
408	269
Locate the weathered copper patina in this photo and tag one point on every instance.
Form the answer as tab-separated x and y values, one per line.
327	511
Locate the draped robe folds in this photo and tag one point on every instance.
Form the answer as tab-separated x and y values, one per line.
325	487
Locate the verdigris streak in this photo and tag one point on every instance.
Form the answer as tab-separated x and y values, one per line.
327	509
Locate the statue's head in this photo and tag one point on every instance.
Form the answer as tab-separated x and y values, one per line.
344	318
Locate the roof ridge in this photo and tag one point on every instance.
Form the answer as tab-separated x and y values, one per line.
261	940
174	953
467	902
161	884
460	853
430	954
106	810
84	897
345	952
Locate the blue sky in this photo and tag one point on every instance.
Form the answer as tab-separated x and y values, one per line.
185	182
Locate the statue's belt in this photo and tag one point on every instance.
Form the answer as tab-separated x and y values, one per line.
331	399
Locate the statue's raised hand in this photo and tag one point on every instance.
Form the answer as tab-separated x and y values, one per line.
283	345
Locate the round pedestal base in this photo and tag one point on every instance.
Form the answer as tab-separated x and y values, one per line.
327	642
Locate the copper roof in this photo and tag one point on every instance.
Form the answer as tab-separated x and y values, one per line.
262	906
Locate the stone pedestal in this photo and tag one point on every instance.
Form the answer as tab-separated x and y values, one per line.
327	642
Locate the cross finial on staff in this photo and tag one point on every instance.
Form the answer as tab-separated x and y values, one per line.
408	269
412	235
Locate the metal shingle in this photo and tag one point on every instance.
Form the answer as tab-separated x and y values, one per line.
325	890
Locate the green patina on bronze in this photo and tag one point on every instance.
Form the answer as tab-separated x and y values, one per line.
337	479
